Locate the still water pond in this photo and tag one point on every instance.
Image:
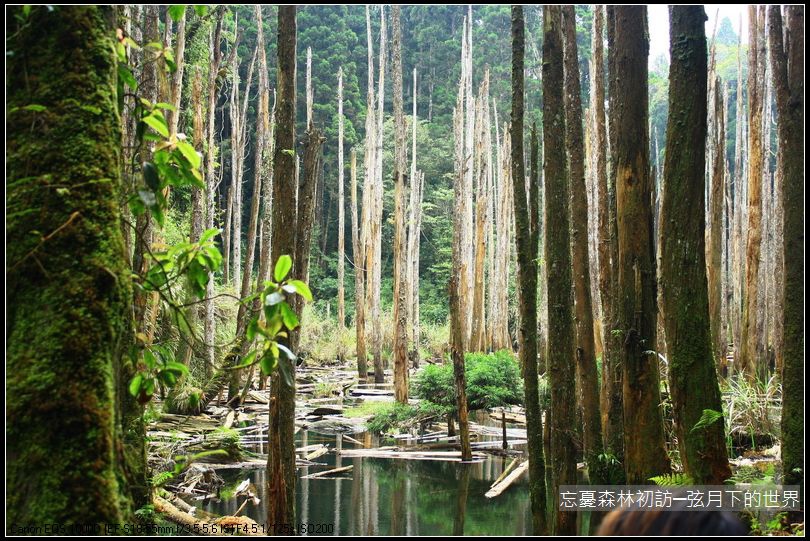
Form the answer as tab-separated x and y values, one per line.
394	497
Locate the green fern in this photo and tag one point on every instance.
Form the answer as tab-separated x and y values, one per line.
708	418
673	480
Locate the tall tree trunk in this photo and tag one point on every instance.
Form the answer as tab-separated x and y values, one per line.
415	217
585	350
715	248
749	355
693	380
69	299
400	350
358	241
644	449
612	393
281	449
560	347
527	284
787	68
341	225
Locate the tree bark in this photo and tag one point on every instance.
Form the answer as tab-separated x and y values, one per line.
527	283
341	225
281	457
612	393
644	450
359	275
693	380
749	354
560	347
69	299
400	352
585	350
787	68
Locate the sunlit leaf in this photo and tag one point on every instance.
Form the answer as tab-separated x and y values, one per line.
283	266
302	288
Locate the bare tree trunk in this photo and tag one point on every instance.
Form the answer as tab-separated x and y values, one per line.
281	448
749	361
527	283
414	219
358	240
341	225
177	80
612	398
715	249
645	453
400	350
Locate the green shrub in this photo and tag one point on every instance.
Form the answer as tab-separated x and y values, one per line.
492	380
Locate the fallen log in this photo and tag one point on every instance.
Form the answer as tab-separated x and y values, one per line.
498	489
326	473
506	472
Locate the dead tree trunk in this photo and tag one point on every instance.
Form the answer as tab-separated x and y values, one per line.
749	355
341	225
400	350
358	240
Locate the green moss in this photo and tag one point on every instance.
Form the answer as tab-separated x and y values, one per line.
68	295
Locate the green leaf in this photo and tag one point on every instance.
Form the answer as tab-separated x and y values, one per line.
176	12
189	153
151	178
201	10
288	316
126	76
283	266
302	288
267	364
249	359
286	369
157	123
135	384
290	355
252	328
174	366
35	108
208	235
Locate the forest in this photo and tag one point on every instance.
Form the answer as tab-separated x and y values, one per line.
403	270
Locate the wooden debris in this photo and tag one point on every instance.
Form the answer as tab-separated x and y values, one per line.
506	482
326	473
506	472
442	456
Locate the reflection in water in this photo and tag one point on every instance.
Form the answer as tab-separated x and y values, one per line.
395	497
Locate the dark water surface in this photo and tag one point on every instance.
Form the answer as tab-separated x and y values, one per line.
383	496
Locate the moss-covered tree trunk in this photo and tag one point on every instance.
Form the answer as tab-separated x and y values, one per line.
644	451
560	346
684	286
527	283
585	349
787	67
68	296
281	458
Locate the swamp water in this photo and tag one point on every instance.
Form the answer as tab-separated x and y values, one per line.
382	496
